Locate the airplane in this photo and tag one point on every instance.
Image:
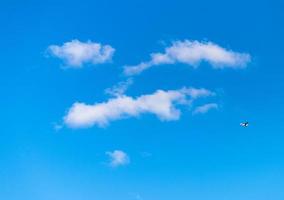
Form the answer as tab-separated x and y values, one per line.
244	124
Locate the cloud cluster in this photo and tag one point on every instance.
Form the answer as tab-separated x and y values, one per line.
162	104
192	53
118	158
205	108
76	53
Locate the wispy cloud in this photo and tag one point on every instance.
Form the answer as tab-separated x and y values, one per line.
120	88
76	53
205	108
192	53
57	127
136	196
118	158
145	154
162	104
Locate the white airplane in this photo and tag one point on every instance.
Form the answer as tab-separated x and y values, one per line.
244	124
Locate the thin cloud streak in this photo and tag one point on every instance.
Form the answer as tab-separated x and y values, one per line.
192	53
205	108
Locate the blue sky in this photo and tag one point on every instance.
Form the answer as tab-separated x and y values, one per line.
133	145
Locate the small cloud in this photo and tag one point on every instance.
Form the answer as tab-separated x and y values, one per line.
136	196
192	53
120	88
205	108
162	104
118	158
76	53
57	127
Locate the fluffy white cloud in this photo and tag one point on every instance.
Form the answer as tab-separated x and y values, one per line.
118	158
192	53
205	108
162	103
76	53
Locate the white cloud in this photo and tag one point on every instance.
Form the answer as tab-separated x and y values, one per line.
192	53
162	104
118	158
120	88
205	108
76	53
